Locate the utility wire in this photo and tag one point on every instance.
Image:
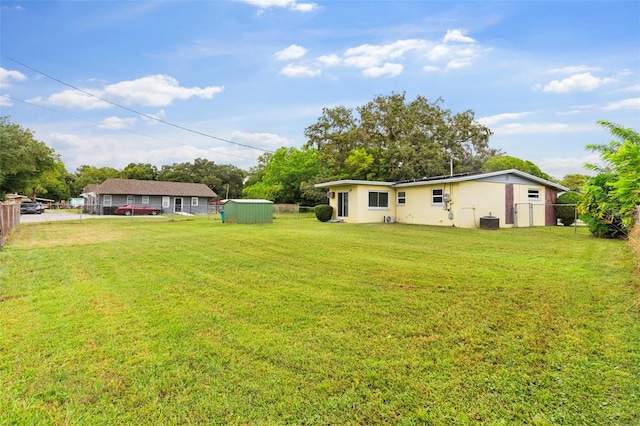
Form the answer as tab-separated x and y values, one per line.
136	112
123	130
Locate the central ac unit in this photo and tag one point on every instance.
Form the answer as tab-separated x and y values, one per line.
389	219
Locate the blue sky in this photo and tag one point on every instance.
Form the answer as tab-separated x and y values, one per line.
258	72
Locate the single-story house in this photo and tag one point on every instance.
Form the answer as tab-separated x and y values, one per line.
171	197
516	198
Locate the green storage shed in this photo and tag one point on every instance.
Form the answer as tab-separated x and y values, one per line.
248	211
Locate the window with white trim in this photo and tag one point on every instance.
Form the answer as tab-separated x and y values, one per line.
194	201
166	202
437	197
402	198
129	199
533	194
145	199
378	199
107	200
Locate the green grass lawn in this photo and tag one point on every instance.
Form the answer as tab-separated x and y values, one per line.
153	321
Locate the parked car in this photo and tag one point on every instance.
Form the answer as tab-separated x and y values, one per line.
31	207
129	209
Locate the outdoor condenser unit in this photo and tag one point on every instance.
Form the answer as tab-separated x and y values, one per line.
389	219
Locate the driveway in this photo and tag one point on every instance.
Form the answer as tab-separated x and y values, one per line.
54	216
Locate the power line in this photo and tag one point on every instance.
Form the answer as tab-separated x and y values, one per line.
136	112
123	130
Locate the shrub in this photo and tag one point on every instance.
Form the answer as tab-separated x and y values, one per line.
324	212
567	214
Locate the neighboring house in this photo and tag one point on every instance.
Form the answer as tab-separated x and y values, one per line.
171	197
516	198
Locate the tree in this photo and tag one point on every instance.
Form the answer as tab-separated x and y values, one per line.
222	179
23	159
574	182
611	198
391	138
279	176
86	175
506	162
54	183
140	171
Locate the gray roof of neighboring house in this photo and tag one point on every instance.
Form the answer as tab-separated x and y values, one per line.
152	187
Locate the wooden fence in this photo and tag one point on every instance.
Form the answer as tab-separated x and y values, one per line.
9	220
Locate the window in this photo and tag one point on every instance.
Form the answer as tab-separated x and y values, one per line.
129	199
379	199
194	201
402	198
145	199
165	202
107	200
436	196
533	194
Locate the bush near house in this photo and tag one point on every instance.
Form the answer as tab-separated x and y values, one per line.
324	212
567	213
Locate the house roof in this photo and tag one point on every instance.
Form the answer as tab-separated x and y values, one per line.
151	187
449	179
348	182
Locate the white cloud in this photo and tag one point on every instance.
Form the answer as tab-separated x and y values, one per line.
584	82
386	69
539	128
75	99
292	52
368	56
286	4
293	70
7	77
268	141
387	59
430	68
159	115
329	60
559	167
634	88
571	69
5	101
457	36
154	90
458	63
117	123
632	103
498	118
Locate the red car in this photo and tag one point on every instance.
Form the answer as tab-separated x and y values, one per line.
128	210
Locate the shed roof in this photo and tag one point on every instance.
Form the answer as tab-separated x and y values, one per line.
248	201
153	187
